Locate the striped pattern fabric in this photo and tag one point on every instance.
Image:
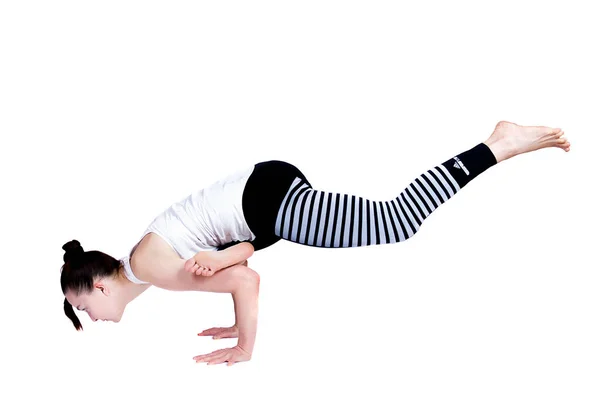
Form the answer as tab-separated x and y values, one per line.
335	220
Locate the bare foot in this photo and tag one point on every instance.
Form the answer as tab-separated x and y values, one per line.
510	139
204	263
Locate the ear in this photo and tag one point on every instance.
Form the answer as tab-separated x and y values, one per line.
100	284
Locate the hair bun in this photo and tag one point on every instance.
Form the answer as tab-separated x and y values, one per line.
72	250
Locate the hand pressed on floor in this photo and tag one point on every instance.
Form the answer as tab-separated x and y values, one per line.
230	356
220	332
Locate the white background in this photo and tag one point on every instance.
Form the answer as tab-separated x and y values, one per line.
111	111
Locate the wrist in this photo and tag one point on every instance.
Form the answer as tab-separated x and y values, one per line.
245	342
245	348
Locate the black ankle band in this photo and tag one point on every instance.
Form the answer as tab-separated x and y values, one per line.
467	165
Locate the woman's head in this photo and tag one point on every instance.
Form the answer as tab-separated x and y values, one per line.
91	281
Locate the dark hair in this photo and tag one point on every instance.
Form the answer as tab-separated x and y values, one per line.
79	271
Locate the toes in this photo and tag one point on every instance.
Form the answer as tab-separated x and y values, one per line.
561	140
555	137
563	144
554	133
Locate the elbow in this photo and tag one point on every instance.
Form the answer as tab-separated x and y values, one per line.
246	279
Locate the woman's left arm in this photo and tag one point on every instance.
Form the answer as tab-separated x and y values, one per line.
239	280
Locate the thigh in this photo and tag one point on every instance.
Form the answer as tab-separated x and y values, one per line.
258	243
230	244
263	194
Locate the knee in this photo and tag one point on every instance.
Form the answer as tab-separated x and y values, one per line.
246	276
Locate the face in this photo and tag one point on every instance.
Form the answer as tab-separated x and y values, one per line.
101	304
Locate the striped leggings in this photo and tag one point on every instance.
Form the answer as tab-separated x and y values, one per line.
335	220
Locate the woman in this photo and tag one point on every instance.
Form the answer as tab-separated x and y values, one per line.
202	243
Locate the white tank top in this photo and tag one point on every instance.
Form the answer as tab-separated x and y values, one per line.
205	219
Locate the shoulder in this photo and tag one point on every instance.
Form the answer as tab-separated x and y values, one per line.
153	258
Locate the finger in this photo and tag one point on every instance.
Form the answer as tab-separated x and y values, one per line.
203	356
219	358
209	355
206	358
230	363
225	335
208	332
218	355
215	353
212	330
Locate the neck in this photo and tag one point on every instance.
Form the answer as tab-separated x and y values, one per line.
131	290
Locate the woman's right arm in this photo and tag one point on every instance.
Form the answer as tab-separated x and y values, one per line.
173	276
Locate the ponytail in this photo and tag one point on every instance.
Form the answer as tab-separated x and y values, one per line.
71	315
